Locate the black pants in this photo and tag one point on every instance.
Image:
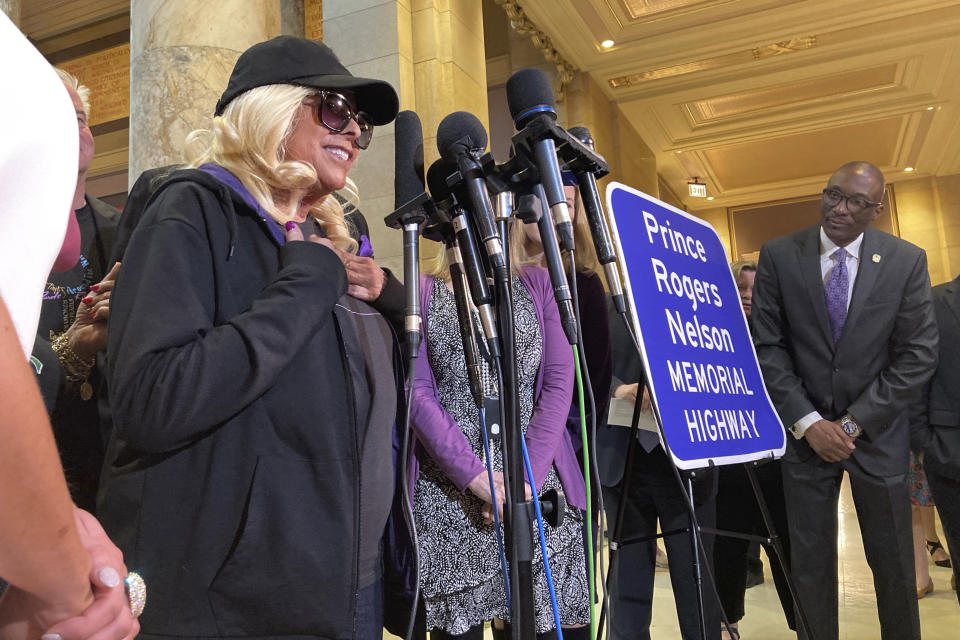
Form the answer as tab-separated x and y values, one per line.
812	490
737	510
653	494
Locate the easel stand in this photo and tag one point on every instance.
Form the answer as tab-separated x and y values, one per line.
773	540
684	481
616	539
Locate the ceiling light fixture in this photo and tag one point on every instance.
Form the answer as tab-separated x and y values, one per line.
929	108
709	197
696	189
606	44
908	168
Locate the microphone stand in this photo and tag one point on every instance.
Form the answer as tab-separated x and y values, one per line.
517	520
587	170
409	217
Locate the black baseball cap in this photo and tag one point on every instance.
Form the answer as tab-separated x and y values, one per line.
308	63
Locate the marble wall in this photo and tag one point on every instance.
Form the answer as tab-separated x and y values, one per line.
365	36
431	51
181	55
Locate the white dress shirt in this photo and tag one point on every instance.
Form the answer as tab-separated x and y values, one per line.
827	264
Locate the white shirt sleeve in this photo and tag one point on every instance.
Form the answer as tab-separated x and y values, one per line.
800	426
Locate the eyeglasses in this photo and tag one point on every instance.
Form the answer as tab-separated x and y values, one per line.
335	114
854	204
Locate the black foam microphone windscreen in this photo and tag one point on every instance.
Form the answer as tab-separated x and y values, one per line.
437	176
529	94
408	168
460	132
583	135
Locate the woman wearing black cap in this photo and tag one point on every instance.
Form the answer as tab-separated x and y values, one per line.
250	475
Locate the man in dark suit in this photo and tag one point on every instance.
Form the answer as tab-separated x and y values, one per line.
846	338
936	428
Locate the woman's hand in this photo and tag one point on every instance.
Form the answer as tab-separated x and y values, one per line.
480	487
87	335
107	614
365	278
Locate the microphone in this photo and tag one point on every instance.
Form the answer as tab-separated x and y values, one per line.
468	335
461	139
476	277
531	102
551	255
598	223
408	182
410	201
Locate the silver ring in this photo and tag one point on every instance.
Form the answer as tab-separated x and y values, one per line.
136	590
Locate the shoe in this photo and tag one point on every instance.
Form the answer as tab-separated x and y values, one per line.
754	578
925	590
662	563
734	632
933	547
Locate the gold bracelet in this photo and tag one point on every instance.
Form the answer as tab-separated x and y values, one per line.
75	368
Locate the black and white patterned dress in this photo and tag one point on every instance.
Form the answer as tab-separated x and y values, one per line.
460	575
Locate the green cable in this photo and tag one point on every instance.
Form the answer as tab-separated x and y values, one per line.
591	578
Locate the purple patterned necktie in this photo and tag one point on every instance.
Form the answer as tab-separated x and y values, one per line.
835	292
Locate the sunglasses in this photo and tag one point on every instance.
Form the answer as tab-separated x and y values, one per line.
335	113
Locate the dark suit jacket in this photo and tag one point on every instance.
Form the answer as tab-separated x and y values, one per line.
887	351
936	427
612	441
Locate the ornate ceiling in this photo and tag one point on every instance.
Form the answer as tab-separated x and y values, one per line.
763	99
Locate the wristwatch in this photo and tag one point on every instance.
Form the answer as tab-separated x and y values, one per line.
850	426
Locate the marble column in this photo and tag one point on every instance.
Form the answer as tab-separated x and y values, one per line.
432	52
181	55
12	9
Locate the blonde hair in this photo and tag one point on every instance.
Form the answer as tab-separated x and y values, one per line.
82	90
741	266
585	256
439	266
249	140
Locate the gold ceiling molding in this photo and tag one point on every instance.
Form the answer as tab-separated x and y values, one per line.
784	46
738	57
644	8
818	89
524	26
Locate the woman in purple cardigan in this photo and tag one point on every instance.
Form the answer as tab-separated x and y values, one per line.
461	583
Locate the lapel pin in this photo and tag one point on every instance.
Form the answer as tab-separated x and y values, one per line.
876	257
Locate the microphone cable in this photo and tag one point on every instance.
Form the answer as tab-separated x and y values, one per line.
535	498
496	507
589	455
543	537
405	496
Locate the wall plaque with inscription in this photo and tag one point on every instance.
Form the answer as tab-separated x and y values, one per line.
107	74
313	19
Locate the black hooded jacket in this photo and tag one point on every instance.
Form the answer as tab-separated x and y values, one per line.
233	476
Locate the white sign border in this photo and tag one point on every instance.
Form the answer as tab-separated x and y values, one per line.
632	312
